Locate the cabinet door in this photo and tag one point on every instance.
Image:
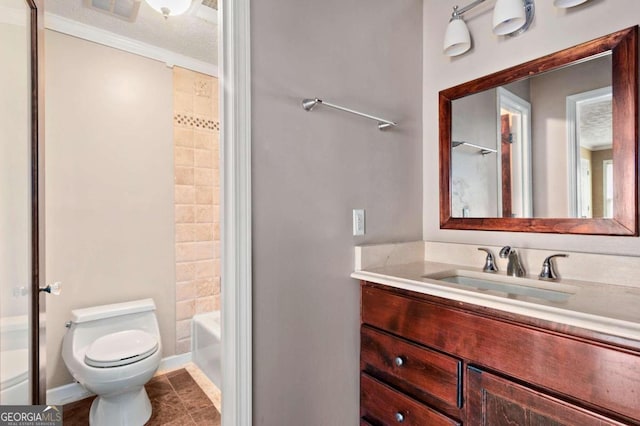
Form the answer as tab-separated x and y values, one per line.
494	401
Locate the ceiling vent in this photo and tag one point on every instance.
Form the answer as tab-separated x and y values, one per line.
122	9
208	10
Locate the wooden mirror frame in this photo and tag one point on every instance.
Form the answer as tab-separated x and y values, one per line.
623	46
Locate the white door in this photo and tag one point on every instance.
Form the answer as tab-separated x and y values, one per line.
585	198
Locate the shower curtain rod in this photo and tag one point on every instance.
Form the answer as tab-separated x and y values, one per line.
309	104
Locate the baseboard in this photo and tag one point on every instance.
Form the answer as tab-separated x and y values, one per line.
73	392
66	394
174	362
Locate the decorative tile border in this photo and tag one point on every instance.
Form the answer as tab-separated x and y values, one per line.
191	121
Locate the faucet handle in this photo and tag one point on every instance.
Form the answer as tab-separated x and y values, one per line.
490	264
505	252
548	272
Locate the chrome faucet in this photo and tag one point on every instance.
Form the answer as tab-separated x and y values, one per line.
548	272
514	267
489	263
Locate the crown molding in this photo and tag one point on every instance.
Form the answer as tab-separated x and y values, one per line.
87	32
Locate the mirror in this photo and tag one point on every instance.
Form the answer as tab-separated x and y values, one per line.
18	121
545	146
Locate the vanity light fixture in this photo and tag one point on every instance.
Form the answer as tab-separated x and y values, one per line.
567	3
457	39
170	7
510	18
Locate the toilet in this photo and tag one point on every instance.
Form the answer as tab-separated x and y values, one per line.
113	351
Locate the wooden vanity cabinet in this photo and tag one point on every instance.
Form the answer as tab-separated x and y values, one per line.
458	363
493	400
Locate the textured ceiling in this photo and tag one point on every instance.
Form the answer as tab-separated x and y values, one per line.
595	125
186	34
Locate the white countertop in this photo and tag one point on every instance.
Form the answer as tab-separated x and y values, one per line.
609	309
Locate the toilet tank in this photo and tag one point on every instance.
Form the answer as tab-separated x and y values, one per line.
88	324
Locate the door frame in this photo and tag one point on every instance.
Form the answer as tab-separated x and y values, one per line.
235	136
235	146
573	104
509	100
37	303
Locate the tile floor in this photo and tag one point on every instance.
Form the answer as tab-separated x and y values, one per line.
176	400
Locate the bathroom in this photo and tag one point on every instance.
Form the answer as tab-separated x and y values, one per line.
132	187
310	169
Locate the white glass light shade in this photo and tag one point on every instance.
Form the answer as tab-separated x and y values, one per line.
508	16
457	39
568	3
170	7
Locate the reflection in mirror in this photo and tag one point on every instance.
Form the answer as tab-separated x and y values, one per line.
15	202
535	134
514	163
590	137
550	145
473	156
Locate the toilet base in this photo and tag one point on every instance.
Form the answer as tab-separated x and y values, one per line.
131	408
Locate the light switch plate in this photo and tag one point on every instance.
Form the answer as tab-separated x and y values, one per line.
358	222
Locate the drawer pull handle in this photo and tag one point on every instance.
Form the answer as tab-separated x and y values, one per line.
399	362
399	418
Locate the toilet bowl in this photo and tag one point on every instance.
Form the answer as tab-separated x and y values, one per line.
113	351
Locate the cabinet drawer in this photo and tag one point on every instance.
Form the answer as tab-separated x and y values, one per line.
429	371
382	405
599	376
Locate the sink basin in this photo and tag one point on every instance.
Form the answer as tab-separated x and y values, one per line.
505	286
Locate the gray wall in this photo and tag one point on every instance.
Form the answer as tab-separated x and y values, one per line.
553	29
550	153
309	170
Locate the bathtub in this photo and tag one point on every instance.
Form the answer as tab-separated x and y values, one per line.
207	346
14	360
14	387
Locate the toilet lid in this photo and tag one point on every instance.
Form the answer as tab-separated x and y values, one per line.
121	348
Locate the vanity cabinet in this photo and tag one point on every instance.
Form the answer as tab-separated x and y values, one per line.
493	400
431	361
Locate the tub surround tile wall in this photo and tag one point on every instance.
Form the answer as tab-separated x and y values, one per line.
197	199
